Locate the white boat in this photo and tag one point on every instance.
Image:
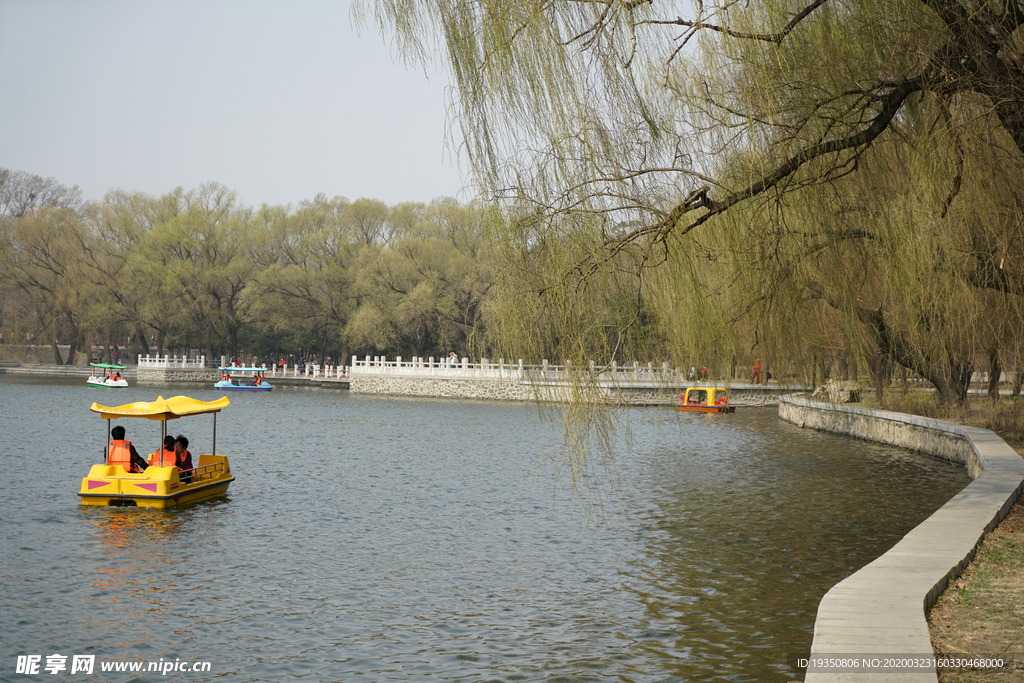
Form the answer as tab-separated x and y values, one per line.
109	377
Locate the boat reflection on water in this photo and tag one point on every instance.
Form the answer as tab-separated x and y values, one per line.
127	527
139	580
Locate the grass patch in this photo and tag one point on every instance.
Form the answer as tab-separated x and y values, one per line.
982	612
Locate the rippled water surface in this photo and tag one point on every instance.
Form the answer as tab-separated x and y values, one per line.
385	539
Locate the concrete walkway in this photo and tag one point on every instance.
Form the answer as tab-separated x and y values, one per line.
878	613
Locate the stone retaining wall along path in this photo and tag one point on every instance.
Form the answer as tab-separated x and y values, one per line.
879	611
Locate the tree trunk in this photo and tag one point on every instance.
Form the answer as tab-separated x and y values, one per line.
993	373
950	378
323	347
144	343
71	350
879	366
56	353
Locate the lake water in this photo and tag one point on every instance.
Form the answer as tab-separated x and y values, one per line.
370	538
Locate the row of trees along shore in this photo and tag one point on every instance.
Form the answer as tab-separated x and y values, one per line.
194	269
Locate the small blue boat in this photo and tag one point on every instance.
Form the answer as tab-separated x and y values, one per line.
242	379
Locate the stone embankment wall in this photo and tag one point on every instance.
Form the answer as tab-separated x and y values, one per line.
879	612
194	375
49	370
936	438
439	388
502	390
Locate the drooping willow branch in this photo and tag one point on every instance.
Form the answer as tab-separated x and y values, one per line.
776	37
890	104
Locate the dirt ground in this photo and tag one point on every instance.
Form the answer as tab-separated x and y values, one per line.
982	612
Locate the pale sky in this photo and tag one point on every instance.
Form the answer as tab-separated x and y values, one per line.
277	101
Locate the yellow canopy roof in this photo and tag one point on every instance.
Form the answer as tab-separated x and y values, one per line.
162	408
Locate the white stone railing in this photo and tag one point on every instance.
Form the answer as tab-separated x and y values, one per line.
172	362
486	369
310	371
184	363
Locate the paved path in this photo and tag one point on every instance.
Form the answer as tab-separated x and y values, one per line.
879	611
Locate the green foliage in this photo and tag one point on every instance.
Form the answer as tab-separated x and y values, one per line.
194	270
817	182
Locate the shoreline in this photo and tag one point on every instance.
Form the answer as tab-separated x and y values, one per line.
880	611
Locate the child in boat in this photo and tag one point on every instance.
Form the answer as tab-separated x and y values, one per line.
183	459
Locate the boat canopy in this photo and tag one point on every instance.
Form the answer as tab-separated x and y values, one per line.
162	408
236	369
109	366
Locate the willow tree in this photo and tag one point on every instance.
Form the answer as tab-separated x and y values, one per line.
424	291
196	259
41	257
302	289
765	173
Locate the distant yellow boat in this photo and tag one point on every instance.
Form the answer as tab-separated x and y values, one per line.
705	400
112	483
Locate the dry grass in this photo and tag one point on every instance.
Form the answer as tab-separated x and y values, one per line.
982	612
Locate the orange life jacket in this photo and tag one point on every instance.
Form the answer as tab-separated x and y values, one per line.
120	453
165	458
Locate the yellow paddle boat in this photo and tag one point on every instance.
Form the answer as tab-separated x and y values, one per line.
705	400
160	485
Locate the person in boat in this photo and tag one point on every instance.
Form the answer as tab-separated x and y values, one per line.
167	456
183	459
123	453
